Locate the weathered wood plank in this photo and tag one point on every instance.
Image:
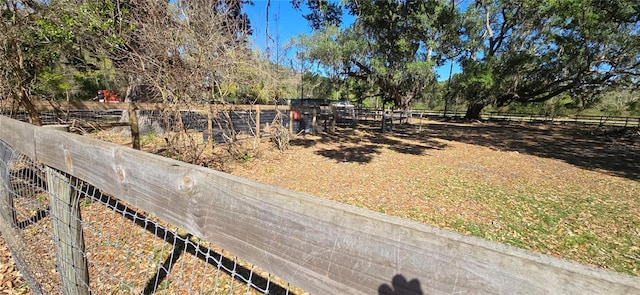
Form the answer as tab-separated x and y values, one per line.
321	246
19	135
257	122
67	230
132	109
209	129
6	199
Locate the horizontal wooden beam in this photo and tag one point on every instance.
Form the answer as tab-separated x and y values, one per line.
49	105
19	135
321	246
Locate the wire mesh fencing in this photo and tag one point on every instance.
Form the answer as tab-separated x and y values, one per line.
72	238
224	125
78	118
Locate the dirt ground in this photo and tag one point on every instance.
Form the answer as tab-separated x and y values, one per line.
564	190
11	281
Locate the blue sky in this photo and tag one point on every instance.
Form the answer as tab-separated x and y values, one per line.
285	22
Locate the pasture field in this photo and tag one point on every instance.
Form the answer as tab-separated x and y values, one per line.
563	190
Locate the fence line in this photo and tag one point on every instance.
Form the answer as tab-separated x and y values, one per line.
53	105
602	120
49	109
219	123
159	209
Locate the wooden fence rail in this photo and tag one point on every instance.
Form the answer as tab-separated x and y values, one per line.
324	247
50	105
358	113
601	120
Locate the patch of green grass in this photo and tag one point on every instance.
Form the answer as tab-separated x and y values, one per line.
148	138
125	288
581	226
470	228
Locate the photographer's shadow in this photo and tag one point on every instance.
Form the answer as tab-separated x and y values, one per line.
400	286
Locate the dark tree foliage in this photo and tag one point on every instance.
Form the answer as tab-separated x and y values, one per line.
525	51
392	45
323	13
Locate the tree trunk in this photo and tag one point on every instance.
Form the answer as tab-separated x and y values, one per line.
473	111
24	100
15	106
21	94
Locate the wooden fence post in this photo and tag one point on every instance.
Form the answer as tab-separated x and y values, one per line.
354	117
333	123
67	232
210	127
133	120
258	121
384	122
6	199
6	202
314	122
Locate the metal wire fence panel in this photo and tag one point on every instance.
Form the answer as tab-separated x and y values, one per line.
29	214
227	125
77	117
122	249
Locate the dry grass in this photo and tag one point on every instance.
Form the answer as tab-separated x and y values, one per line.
566	191
11	281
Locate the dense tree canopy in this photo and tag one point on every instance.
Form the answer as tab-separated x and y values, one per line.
526	51
33	41
154	49
392	45
509	51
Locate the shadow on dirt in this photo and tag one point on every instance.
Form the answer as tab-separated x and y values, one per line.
615	151
361	145
612	150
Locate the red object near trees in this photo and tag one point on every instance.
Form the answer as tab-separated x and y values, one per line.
295	115
107	96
